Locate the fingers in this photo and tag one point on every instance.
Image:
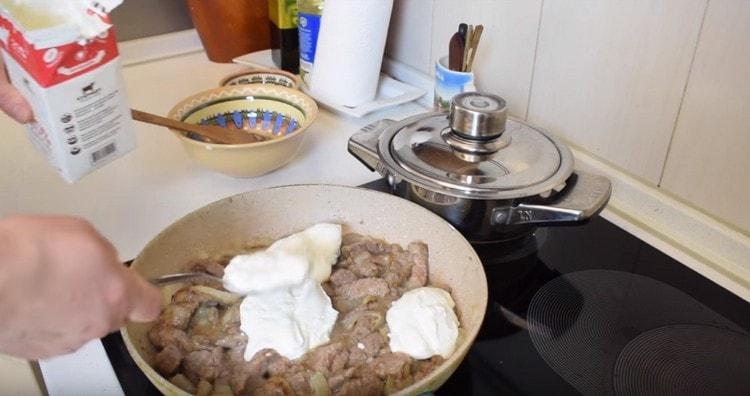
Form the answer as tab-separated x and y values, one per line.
145	299
12	102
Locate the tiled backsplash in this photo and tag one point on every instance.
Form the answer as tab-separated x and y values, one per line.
657	89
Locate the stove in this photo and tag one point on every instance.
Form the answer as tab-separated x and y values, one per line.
589	309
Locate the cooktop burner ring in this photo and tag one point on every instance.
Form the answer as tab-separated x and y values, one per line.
581	321
684	360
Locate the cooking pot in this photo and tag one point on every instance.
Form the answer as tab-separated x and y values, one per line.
493	177
265	215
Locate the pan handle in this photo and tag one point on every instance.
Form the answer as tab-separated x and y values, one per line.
584	199
363	145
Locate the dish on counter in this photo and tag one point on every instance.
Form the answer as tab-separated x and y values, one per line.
271	110
262	76
201	345
257	218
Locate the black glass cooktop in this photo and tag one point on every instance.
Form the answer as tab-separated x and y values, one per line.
588	309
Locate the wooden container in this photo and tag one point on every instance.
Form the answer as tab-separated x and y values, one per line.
230	28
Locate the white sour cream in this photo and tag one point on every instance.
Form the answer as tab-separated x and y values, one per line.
422	323
285	308
265	271
321	245
290	321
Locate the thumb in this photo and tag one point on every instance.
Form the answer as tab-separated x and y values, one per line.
12	102
145	300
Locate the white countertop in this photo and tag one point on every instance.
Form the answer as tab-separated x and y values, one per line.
135	197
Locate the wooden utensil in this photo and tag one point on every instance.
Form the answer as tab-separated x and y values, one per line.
455	52
475	37
213	133
467	42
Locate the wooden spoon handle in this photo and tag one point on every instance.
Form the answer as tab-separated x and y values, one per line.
215	134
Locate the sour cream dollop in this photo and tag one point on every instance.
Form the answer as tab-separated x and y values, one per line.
320	244
422	323
284	307
265	271
292	321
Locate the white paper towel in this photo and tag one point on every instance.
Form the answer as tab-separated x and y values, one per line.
350	50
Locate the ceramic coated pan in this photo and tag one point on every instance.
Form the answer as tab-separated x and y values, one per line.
266	215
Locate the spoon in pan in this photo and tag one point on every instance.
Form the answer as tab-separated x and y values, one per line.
184	277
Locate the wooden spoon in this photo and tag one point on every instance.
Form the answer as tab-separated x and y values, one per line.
212	133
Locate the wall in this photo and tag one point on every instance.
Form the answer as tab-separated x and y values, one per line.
657	89
142	18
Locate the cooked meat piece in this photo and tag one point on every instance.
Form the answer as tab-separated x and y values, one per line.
329	358
366	324
377	246
204	364
345	304
365	268
418	254
362	383
364	287
342	276
168	360
275	386
351	238
394	369
372	343
177	315
383	260
162	335
213	267
336	380
299	381
357	356
425	367
248	376
231	337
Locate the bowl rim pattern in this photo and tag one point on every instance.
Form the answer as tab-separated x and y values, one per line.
297	98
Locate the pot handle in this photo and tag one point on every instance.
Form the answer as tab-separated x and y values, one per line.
364	143
586	197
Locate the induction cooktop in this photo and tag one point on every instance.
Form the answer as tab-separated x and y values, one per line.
588	309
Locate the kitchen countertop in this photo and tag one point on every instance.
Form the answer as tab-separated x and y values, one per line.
138	195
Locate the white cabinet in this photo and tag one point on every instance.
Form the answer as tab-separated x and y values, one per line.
709	160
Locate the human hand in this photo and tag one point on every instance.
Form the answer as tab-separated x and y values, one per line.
61	284
12	102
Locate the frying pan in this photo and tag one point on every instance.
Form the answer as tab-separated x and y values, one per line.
264	215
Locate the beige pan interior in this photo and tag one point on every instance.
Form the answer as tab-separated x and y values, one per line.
264	215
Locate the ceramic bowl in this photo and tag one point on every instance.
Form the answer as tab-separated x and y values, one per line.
262	76
283	112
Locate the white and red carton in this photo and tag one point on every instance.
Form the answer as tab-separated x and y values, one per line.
75	88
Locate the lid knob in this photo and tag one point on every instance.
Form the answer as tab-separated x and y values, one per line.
478	116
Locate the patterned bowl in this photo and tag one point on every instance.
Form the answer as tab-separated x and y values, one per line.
281	113
262	76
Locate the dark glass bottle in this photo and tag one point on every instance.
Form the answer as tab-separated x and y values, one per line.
282	15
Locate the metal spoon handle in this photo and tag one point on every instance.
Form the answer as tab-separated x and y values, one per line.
183	277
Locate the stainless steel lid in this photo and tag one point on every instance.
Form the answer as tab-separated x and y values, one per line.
476	151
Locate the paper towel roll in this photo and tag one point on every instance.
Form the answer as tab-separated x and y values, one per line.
350	50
